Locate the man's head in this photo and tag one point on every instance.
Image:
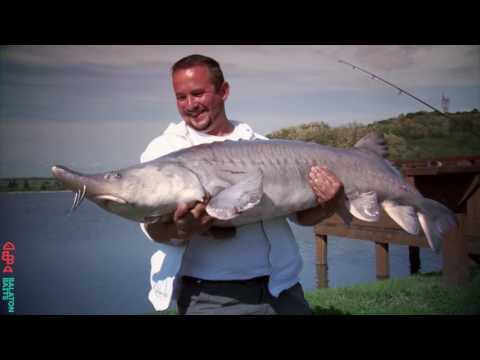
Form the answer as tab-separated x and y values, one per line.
201	92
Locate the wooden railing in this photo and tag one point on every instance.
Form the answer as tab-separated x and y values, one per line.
455	182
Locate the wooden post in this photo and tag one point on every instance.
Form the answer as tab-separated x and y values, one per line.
382	260
413	251
322	276
321	260
414	257
321	247
456	269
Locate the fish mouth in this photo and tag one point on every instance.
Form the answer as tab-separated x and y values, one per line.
73	181
102	200
108	197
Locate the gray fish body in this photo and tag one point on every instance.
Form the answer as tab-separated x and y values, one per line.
249	181
285	166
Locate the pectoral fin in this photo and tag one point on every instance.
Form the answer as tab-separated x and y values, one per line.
364	206
233	200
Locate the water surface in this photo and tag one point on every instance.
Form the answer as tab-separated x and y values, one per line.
93	262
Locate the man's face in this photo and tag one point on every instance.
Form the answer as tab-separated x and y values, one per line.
199	104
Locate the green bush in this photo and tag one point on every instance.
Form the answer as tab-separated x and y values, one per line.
411	136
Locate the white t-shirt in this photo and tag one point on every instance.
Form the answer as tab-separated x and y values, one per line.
263	248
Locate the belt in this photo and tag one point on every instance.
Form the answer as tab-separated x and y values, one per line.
256	280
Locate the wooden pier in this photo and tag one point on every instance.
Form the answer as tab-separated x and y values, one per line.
455	182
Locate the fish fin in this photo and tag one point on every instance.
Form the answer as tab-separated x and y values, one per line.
232	201
375	143
364	206
436	220
344	214
404	216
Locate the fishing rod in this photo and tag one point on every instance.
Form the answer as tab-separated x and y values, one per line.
400	90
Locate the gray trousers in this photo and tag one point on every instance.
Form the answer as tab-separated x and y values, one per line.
249	297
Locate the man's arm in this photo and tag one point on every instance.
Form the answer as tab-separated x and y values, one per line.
329	191
162	232
188	220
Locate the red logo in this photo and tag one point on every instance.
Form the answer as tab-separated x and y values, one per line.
8	246
7	257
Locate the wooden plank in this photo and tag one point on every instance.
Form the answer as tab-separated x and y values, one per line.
456	263
321	242
322	276
385	231
472	222
321	249
440	170
457	164
382	260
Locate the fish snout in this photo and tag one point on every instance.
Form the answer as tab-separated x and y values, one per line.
70	179
58	171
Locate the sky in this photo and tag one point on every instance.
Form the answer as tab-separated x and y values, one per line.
96	108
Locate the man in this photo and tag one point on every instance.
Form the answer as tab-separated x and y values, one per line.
252	269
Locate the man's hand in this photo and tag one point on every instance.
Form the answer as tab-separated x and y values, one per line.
188	220
194	219
326	186
191	219
329	191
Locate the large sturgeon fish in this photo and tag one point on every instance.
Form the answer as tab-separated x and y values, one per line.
249	181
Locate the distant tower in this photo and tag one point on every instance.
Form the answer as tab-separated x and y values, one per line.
445	103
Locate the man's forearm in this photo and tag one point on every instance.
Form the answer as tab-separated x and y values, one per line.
313	216
165	232
162	232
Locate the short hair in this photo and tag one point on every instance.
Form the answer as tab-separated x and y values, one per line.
216	74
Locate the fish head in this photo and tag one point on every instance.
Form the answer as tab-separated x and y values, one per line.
142	193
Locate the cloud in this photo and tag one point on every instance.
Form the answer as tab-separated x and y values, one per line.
267	71
315	65
94	94
387	58
57	55
42	90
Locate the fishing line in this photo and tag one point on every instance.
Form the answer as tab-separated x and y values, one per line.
400	90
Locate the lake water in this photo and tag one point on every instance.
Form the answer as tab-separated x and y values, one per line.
93	262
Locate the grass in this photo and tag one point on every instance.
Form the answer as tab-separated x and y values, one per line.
421	294
415	295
